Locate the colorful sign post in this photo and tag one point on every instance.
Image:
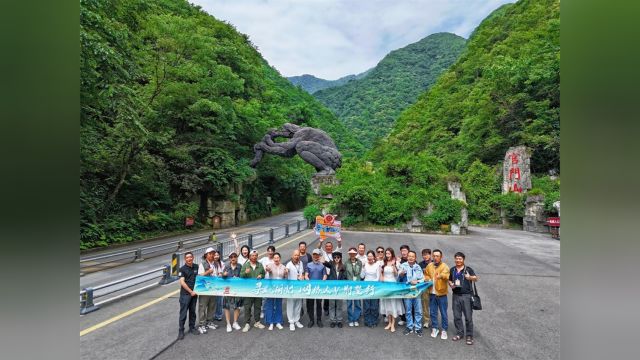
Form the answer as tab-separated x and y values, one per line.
327	226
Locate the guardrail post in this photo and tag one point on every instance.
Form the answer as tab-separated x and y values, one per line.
286	230
298	228
166	276
250	244
86	304
138	255
174	265
271	236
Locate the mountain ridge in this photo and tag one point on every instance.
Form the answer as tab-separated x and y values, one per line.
370	105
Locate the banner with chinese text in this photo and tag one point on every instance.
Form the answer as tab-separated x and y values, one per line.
306	289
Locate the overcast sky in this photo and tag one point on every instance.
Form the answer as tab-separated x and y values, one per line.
334	38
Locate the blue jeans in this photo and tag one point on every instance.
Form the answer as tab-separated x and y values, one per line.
413	307
438	303
273	311
218	313
353	310
371	308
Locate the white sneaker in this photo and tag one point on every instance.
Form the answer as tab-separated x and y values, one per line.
426	325
212	326
434	332
202	329
299	325
229	328
246	328
259	325
236	326
356	324
271	327
292	327
401	322
351	324
444	335
279	326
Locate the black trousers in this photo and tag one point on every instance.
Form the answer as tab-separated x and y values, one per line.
187	303
318	310
461	304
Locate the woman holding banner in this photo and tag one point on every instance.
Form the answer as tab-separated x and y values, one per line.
273	306
389	273
371	272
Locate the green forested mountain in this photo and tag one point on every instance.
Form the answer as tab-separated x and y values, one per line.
369	106
312	84
504	90
172	101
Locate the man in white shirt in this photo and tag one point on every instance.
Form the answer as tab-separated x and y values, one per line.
328	249
362	253
295	271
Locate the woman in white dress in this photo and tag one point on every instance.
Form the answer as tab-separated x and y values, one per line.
389	273
371	272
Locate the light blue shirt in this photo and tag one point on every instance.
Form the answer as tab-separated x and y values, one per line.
412	272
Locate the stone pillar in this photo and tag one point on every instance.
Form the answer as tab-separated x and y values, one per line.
455	188
516	170
318	180
516	174
534	216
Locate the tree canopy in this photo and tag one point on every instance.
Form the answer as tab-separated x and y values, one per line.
172	101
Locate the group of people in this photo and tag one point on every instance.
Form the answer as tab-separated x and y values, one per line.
326	263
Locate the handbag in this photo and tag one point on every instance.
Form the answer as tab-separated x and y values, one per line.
476	304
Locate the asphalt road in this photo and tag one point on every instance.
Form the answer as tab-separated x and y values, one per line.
519	285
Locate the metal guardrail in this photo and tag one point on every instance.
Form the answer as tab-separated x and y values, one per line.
90	294
140	253
170	272
227	246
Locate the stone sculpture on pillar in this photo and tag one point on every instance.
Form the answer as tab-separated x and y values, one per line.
313	145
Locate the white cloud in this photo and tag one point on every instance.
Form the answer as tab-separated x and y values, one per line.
334	38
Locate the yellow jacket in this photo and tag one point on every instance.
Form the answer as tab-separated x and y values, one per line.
441	283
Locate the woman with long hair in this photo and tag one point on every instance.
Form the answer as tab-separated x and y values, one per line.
392	308
337	271
244	254
273	306
371	272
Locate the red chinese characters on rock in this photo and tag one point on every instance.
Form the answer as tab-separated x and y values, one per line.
514	173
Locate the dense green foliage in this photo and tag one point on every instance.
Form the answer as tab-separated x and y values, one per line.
547	187
172	101
312	84
369	106
481	183
395	192
503	91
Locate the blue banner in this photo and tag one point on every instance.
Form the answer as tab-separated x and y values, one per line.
306	289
